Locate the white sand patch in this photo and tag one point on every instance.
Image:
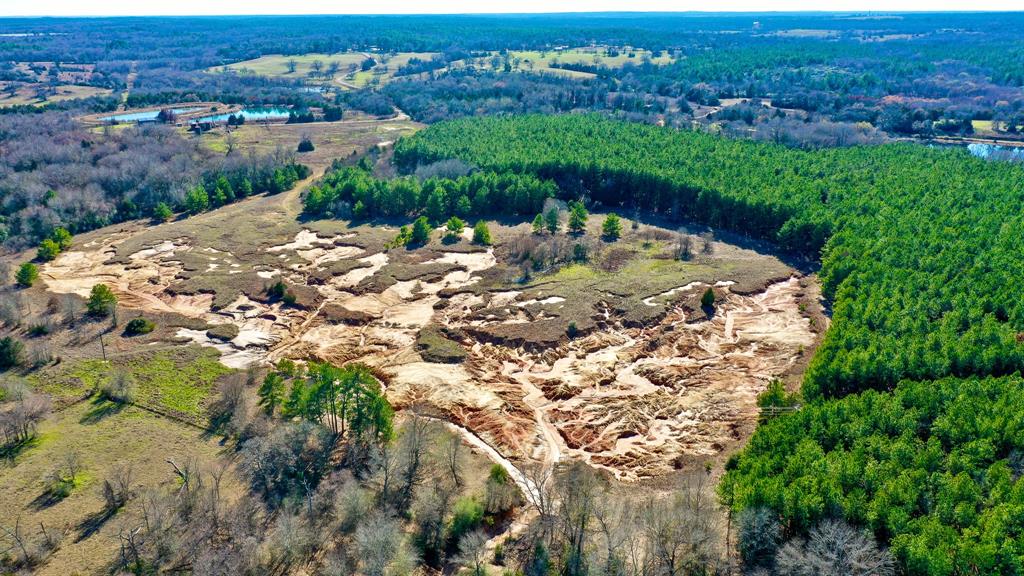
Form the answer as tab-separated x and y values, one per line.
542	302
440	384
230	355
473	261
163	249
353	277
650	300
306	239
499	299
320	256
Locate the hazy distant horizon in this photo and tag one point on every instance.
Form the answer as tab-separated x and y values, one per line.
70	8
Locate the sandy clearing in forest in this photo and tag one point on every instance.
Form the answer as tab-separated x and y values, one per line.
634	401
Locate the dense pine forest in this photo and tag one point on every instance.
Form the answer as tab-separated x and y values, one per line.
919	253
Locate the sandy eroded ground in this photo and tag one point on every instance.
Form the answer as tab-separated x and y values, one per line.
636	401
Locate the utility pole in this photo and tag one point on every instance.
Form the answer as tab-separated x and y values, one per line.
103	348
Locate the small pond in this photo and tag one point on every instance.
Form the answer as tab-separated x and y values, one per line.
147	116
996	152
264	113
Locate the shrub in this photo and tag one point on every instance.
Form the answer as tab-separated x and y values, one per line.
162	212
572	331
420	234
775	396
454	228
102	300
306	145
137	326
579	253
611	228
551	220
62	238
482	234
577	218
277	290
12	352
468	515
48	250
119	388
708	299
197	200
538	224
27	274
40	328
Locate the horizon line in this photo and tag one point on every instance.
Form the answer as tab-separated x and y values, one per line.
538	13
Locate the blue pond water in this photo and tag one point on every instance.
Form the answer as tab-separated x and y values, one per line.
148	116
995	152
266	113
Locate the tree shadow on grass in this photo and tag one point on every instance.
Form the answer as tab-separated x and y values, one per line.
10	451
93	523
46	499
101	409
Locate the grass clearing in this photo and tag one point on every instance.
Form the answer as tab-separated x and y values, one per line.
592	55
614	283
131	435
176	380
28	94
349	66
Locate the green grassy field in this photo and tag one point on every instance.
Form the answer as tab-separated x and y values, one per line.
126	436
27	95
177	379
276	65
590	55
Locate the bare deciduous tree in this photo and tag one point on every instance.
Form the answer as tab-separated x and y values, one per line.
453	457
117	487
378	541
684	246
681	532
473	552
834	548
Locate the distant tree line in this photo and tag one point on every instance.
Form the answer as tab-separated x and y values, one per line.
55	174
354	192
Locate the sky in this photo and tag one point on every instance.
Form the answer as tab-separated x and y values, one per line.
207	7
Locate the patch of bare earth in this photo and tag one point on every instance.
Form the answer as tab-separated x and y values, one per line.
653	381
